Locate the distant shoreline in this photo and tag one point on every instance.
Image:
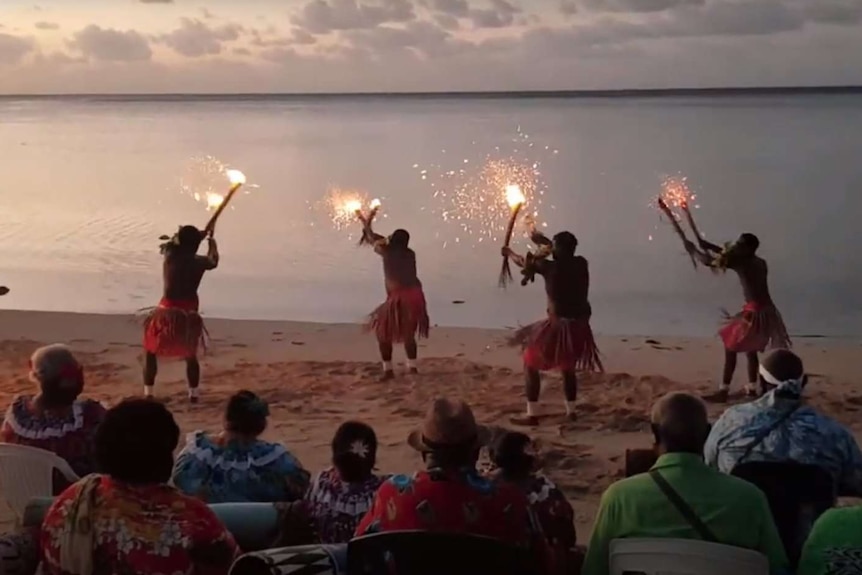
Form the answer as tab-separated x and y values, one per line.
530	94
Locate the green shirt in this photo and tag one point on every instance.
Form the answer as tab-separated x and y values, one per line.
735	511
834	545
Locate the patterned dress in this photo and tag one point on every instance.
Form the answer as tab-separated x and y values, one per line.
335	507
150	529
231	472
552	509
70	436
452	501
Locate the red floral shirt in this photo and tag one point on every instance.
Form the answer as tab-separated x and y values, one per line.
150	529
451	501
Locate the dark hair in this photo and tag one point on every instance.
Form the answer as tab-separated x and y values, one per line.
352	466
246	414
399	238
750	241
565	244
679	423
189	238
135	443
508	453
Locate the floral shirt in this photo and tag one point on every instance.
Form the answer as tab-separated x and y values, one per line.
231	472
453	501
150	529
552	509
335	507
70	436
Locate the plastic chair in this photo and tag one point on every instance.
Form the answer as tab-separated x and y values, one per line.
28	472
304	559
797	494
683	557
436	553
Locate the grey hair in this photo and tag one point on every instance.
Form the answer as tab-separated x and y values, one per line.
47	362
681	419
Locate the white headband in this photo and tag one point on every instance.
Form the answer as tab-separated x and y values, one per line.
772	380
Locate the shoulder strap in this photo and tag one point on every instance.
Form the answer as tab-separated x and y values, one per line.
684	509
766	433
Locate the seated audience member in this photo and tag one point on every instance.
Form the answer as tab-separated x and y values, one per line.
235	466
512	454
55	419
722	509
450	495
779	427
129	520
834	546
340	496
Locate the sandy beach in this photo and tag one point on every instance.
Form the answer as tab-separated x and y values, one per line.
317	375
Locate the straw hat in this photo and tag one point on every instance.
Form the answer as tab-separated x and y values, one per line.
448	424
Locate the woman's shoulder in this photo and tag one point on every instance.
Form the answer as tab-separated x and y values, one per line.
21	403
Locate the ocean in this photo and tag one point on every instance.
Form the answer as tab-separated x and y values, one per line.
89	185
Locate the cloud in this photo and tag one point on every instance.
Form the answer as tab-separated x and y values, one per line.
47	26
13	49
109	45
324	16
568	7
500	15
419	38
846	12
635	5
457	8
194	38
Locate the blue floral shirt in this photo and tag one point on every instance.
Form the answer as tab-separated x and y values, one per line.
805	437
232	472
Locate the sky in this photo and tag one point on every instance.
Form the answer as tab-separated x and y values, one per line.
258	46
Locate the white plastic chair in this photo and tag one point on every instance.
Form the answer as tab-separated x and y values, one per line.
27	472
650	556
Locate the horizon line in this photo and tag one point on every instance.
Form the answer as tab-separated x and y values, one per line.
490	94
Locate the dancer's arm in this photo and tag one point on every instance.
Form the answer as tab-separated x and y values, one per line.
210	261
703	257
518	259
708	246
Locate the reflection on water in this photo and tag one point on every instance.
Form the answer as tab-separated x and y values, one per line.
89	187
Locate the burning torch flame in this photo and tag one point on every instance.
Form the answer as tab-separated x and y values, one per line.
375	203
214	200
514	195
352	206
236	177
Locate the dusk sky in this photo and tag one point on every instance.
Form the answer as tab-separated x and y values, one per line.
145	46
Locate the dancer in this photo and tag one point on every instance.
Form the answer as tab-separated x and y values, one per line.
564	340
4	290
404	314
759	325
174	328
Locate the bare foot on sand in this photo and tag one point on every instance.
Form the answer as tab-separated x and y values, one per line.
388	375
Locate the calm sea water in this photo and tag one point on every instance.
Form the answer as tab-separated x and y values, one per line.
89	185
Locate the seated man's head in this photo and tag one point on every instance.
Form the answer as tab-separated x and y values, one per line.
59	375
565	244
782	371
354	451
189	239
399	239
136	441
512	452
449	436
679	424
246	415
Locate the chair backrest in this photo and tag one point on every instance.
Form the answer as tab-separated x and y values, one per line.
27	472
436	553
683	557
797	494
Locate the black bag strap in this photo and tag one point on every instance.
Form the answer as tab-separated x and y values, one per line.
684	509
766	433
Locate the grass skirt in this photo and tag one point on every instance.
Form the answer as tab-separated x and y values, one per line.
559	343
754	329
174	329
402	317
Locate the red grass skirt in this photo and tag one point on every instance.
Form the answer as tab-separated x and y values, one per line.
754	329
402	317
174	329
559	343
